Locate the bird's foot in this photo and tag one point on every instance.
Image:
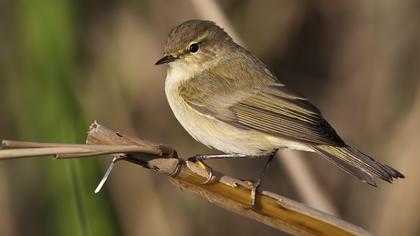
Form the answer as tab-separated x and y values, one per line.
196	159
254	188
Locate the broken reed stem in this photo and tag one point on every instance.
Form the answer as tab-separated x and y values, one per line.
64	151
227	192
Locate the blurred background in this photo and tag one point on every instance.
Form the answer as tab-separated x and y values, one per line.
64	64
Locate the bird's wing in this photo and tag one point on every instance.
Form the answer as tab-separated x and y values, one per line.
274	110
259	104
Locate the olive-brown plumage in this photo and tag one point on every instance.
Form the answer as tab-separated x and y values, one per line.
226	98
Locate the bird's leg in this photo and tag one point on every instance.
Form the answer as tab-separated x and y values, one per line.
254	186
205	157
200	158
257	184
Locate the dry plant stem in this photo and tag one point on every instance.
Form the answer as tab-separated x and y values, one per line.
271	209
63	151
233	194
230	193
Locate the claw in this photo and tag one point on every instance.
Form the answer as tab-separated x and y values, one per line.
203	166
208	169
254	189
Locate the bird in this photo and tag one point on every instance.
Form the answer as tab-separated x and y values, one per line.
227	99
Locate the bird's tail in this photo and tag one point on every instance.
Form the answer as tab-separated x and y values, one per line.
358	164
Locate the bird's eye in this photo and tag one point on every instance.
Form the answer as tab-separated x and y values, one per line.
194	48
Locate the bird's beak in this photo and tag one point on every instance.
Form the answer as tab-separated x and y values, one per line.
165	59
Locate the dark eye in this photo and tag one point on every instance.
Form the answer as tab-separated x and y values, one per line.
194	48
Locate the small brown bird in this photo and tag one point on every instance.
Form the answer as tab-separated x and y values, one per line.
227	99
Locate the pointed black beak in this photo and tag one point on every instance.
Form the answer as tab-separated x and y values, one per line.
165	59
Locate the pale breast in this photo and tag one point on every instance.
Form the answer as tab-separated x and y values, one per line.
215	133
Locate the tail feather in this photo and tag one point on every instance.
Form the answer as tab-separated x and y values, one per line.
358	164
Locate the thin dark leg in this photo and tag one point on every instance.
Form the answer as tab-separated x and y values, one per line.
205	157
258	183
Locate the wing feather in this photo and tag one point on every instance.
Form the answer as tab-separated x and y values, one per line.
280	117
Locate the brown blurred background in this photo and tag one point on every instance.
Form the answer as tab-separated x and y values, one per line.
66	63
